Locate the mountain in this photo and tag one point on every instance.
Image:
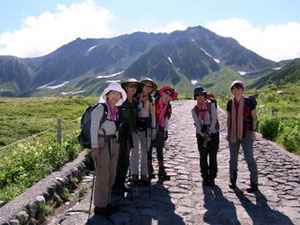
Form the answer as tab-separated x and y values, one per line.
287	74
86	65
15	76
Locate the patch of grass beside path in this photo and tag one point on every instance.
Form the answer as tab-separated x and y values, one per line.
25	163
284	125
24	117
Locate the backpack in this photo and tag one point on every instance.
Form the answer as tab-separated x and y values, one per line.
85	135
156	99
208	106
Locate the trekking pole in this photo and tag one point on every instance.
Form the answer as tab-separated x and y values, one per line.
92	192
147	150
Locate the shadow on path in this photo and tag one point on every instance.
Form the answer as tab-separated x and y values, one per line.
219	209
260	212
143	206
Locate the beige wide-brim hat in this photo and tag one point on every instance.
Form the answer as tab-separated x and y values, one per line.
148	80
130	80
113	87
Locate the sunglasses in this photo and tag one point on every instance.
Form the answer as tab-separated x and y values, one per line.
169	93
148	85
132	86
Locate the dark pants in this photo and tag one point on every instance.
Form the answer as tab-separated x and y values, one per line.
157	143
123	161
208	171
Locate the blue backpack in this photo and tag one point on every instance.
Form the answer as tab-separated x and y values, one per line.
84	137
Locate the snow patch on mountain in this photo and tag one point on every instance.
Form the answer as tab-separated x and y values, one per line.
276	68
216	60
91	48
57	86
110	75
46	85
170	60
72	92
242	73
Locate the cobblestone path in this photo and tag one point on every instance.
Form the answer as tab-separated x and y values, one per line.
183	200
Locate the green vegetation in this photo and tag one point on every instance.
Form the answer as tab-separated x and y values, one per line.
284	125
65	194
23	117
219	82
46	208
25	163
83	190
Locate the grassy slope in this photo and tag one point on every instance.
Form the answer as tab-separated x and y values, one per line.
20	118
27	162
219	82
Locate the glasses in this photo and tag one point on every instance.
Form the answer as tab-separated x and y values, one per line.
148	85
132	86
168	93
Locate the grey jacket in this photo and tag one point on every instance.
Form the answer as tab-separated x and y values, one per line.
109	126
210	121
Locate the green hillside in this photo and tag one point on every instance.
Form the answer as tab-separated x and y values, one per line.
288	74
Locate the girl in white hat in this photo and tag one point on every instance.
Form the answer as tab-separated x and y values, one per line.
105	147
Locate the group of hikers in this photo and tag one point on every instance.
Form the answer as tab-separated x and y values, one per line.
136	120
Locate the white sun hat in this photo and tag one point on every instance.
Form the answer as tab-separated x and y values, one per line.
113	87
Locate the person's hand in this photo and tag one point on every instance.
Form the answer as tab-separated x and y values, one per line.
95	153
253	137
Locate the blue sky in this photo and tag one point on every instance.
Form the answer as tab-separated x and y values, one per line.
35	27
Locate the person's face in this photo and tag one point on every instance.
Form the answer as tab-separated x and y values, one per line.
114	97
166	96
236	92
200	98
147	90
131	88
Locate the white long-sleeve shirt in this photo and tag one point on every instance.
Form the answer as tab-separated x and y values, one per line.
145	111
109	126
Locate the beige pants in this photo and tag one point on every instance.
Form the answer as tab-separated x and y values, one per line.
105	172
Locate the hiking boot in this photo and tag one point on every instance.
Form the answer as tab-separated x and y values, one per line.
145	180
135	178
253	188
233	181
101	211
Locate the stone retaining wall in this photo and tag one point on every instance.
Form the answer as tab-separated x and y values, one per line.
25	208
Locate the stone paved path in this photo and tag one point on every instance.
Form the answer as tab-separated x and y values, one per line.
183	200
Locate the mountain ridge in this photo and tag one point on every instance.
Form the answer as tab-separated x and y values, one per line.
84	65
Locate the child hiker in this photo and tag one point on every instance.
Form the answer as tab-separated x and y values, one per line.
105	147
241	123
163	111
146	131
205	118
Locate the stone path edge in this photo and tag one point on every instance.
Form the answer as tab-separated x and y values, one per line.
24	209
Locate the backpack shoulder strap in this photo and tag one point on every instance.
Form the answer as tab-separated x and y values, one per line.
105	113
208	105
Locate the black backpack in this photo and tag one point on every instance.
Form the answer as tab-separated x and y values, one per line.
85	135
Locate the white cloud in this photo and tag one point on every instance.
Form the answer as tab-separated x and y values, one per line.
43	34
276	42
169	28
